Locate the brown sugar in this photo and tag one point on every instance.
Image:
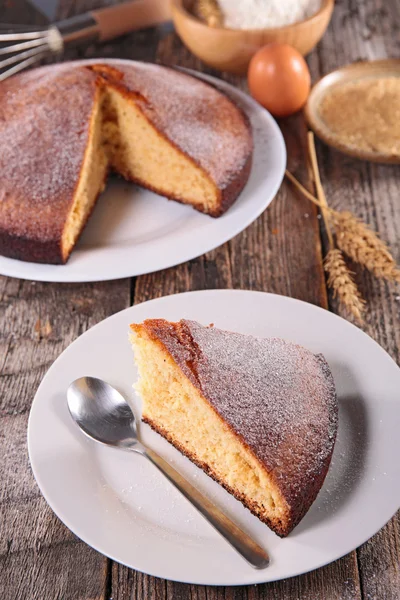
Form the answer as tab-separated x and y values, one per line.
365	114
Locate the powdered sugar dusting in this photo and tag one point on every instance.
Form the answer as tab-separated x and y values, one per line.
44	123
278	396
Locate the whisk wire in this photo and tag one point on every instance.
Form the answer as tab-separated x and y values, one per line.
14	37
30	48
22	55
22	49
22	65
24	45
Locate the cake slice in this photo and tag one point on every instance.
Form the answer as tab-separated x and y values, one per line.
258	415
176	135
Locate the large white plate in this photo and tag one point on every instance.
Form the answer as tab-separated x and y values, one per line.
121	506
133	231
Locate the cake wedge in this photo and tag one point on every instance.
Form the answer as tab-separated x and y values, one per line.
258	415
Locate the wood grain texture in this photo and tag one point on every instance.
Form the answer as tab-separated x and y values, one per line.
338	581
281	252
371	30
39	558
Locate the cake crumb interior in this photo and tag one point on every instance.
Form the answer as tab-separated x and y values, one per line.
121	138
141	153
91	183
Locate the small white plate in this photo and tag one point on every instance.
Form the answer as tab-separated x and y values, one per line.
133	231
120	505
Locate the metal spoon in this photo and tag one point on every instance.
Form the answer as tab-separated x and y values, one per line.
103	414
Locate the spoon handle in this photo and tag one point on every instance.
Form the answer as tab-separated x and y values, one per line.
237	538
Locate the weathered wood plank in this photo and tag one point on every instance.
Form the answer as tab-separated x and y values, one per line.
371	30
37	322
71	570
281	251
39	557
338	581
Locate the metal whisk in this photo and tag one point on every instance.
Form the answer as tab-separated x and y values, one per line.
25	48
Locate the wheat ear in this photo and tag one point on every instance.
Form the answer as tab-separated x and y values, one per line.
357	240
339	279
362	244
342	284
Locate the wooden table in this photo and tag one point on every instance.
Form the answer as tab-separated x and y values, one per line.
281	252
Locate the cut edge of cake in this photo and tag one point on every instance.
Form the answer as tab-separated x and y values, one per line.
91	182
141	153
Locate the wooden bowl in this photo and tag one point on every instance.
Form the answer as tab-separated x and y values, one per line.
231	49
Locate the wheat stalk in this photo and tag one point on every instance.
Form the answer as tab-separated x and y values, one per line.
339	277
325	211
362	244
356	239
343	285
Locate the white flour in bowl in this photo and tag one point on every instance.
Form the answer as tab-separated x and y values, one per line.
262	14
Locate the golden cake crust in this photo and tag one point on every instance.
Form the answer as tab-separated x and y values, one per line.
278	398
45	127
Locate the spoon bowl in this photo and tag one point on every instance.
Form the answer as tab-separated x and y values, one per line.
102	412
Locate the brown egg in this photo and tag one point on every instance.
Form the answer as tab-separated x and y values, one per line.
279	79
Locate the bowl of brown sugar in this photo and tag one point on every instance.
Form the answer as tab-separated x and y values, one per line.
356	109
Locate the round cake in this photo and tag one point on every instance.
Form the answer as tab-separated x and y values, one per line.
64	127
